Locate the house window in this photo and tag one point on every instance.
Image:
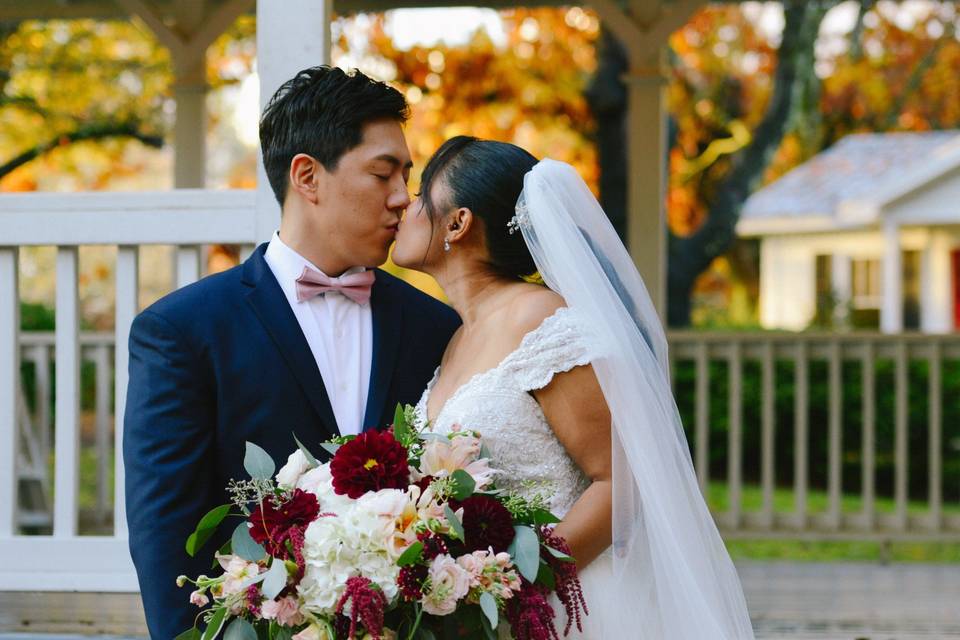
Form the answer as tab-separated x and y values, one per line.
911	289
865	282
866	295
825	297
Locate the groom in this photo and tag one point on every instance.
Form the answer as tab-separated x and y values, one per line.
306	337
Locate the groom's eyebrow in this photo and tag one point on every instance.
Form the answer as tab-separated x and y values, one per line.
394	160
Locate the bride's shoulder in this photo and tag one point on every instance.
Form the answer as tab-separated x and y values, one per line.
531	306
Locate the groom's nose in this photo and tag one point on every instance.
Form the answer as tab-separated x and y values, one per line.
399	198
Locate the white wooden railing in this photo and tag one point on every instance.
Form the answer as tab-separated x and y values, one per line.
67	560
906	519
185	218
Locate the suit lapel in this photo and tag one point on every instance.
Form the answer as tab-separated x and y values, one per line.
387	318
271	306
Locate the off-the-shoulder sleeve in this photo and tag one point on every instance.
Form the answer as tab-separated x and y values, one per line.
560	343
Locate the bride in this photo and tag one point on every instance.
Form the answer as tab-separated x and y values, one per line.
568	383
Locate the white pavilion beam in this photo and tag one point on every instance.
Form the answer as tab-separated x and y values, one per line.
290	38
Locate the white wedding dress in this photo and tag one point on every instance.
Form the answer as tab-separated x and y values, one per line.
523	448
667	575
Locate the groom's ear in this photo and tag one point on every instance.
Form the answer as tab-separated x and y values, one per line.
304	177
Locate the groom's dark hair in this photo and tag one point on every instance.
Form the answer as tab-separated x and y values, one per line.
321	111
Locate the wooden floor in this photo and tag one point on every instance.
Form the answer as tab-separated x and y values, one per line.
788	601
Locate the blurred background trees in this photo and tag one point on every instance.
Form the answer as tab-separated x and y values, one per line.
87	105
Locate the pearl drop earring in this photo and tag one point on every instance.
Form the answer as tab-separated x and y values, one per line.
446	245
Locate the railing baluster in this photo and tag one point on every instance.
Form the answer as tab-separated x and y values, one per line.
767	435
41	358
703	417
800	426
127	305
9	381
868	470
900	437
103	431
835	435
188	265
735	434
935	412
68	395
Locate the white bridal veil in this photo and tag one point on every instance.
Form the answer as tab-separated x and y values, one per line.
672	576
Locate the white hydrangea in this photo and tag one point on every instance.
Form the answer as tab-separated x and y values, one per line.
355	541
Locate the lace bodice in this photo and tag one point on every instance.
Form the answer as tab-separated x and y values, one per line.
497	404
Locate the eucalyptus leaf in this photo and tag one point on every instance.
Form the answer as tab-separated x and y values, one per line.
546	577
560	555
330	447
215	624
411	555
283	633
240	629
525	551
189	634
465	484
251	580
488	632
275	579
542	516
489	606
244	545
206	527
258	463
306	453
455	524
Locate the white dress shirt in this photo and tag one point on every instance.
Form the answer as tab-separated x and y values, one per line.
338	331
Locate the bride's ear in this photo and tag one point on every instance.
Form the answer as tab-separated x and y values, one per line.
458	224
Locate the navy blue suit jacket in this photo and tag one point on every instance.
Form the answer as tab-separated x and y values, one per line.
222	362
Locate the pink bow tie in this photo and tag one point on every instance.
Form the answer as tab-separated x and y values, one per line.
355	286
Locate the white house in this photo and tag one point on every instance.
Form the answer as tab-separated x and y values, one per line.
867	233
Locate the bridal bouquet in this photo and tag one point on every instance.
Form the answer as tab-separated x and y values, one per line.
401	536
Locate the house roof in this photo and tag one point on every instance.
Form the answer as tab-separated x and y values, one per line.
846	185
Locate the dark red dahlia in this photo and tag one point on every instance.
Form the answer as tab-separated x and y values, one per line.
273	526
486	523
367	604
530	614
372	461
568	588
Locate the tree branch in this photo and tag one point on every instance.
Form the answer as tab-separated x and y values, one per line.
691	255
93	132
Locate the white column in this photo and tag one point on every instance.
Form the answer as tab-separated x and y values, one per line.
936	285
842	288
127	307
891	313
67	401
646	159
291	36
189	133
769	292
9	385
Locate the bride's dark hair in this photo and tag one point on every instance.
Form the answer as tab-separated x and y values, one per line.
486	177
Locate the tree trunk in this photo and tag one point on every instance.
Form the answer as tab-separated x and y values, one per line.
607	97
691	255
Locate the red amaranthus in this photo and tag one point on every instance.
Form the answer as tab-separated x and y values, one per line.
367	605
